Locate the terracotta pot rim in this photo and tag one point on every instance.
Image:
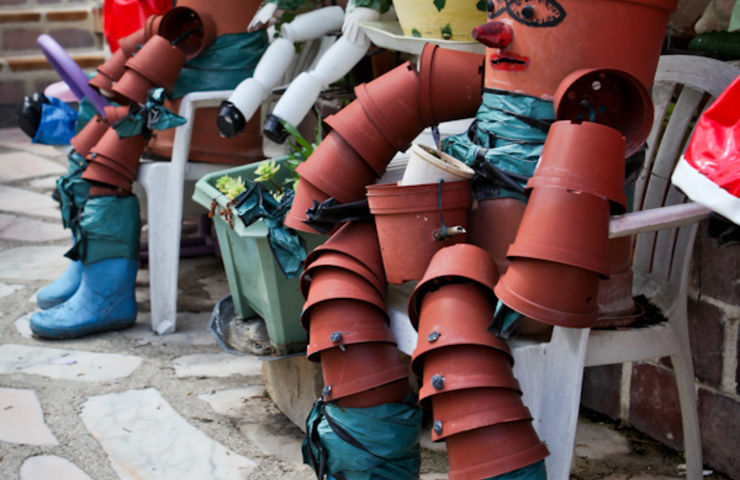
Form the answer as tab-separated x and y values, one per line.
100	173
112	164
401	197
501	465
332	260
618	200
376	116
375	155
417	360
306	316
354	337
475	420
358	385
453	384
326	181
563	256
206	21
131	86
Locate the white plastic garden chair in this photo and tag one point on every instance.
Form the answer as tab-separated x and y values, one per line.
551	373
164	184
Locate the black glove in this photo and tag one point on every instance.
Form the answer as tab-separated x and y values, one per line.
29	118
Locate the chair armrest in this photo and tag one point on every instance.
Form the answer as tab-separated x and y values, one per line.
656	219
194	100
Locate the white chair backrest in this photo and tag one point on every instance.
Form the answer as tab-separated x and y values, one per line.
687	84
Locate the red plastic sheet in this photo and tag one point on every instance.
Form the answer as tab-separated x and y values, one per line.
123	17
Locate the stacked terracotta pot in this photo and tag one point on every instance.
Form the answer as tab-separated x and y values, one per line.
466	371
389	112
347	321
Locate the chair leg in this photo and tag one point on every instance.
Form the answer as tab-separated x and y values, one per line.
684	371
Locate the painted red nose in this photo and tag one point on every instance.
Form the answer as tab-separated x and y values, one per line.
494	34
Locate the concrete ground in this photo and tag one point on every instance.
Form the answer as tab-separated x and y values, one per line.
135	405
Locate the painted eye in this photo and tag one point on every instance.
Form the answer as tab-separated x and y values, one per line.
497	7
536	13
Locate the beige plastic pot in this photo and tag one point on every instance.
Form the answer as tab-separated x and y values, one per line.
429	165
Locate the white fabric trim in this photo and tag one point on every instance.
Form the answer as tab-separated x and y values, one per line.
705	192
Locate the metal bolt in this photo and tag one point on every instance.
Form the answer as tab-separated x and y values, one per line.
326	391
438	382
437	427
336	337
433	337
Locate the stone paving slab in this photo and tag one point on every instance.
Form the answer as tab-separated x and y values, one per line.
46	184
22	325
191	330
22	165
66	364
14	138
232	402
25	202
597	443
21	418
30	230
8	289
217	365
33	263
46	467
146	439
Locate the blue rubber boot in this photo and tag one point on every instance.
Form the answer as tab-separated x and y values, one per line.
61	289
105	301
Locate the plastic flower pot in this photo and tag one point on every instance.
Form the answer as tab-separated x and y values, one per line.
428	165
191	31
131	43
89	135
460	263
585	157
456	314
114	114
493	450
329	284
464	410
409	221
359	240
151	26
110	71
133	86
124	151
442	71
461	367
339	322
423	17
158	61
97	172
392	103
336	169
360	367
394	392
112	164
229	17
306	193
257	284
359	131
613	98
506	214
331	259
550	292
628	37
564	226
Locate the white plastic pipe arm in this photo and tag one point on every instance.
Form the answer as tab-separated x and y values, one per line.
352	19
262	17
656	219
314	24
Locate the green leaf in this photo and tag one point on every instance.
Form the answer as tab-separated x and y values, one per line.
415	33
481	5
446	32
440	4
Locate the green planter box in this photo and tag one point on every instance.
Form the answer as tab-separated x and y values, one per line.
257	284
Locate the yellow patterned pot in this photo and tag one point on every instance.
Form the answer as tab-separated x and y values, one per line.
454	21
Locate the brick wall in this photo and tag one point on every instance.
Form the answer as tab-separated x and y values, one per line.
75	24
644	394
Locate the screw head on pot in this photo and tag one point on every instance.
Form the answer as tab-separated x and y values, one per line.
326	391
437	427
433	337
438	382
335	337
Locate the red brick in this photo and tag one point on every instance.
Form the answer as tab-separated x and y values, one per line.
707	337
19	16
66	15
73	37
11	92
714	268
601	387
21	38
719	418
13	2
654	408
48	1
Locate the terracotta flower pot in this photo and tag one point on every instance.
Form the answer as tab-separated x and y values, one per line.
442	71
133	86
131	43
407	220
331	259
229	16
151	26
336	169
503	213
110	71
566	227
177	22
89	135
493	450
549	292
628	36
97	172
614	98
342	322
359	240
124	151
465	366
114	114
335	284
464	410
158	61
306	194
394	392
359	131
392	103
360	367
586	157
112	164
460	263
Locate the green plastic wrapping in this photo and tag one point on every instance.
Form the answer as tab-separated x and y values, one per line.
86	112
509	132
153	116
109	227
387	437
73	190
229	60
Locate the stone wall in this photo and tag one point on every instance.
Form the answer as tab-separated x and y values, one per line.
644	394
75	24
